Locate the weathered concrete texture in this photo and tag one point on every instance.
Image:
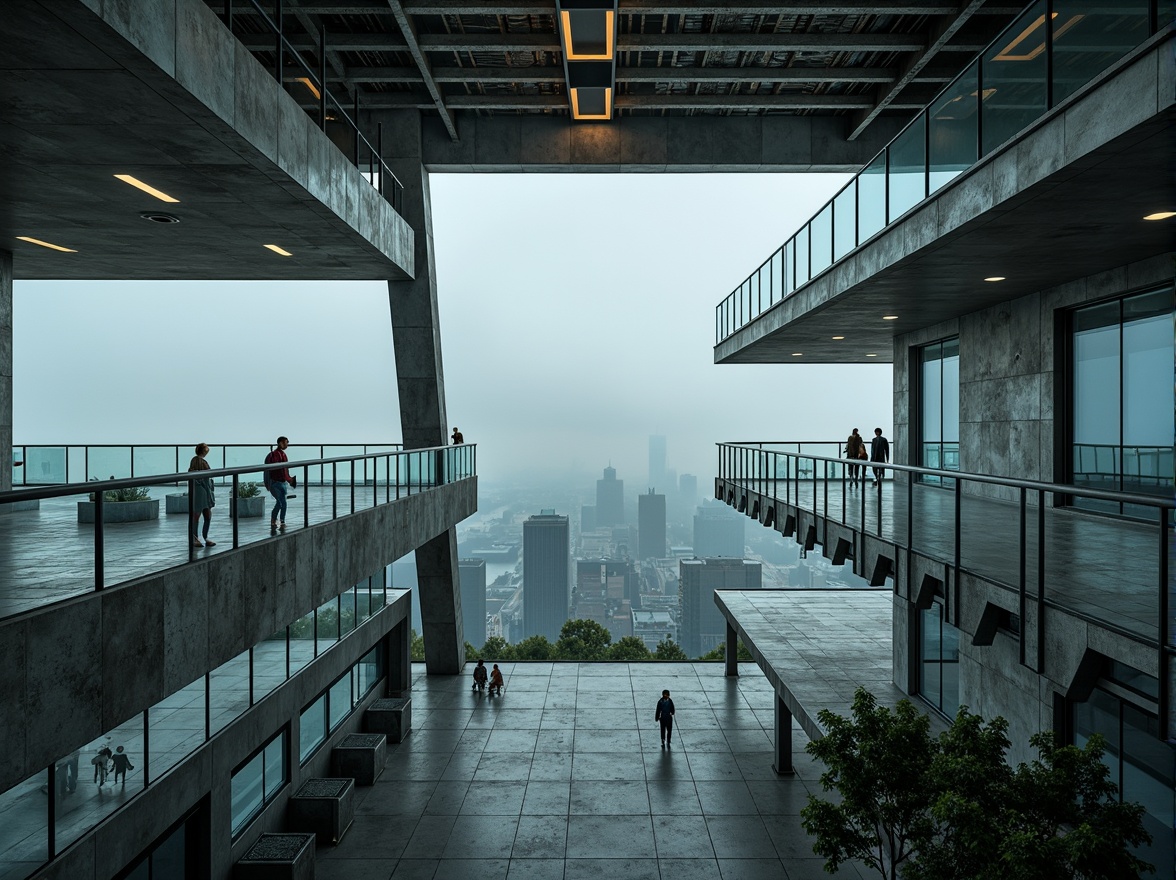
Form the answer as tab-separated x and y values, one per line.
5	370
101	658
161	89
1023	213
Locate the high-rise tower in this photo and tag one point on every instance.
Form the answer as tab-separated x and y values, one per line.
545	574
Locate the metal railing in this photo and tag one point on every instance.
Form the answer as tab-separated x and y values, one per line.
1015	81
369	480
803	480
328	111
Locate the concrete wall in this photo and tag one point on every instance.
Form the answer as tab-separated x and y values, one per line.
1008	386
107	849
98	659
5	370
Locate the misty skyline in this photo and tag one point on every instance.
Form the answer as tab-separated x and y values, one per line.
577	318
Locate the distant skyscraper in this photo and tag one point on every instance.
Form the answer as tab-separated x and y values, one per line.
657	462
545	574
587	518
718	531
610	499
472	573
651	526
702	624
688	490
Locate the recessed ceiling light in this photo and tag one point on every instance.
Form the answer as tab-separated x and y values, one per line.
147	188
45	244
278	250
797	354
890	317
995	278
871	355
1160	215
838	337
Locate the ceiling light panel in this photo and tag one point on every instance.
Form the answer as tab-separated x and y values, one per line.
147	188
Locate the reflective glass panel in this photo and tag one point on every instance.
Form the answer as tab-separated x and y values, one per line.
1100	714
100	777
269	664
312	728
871	198
340	700
301	642
149	460
327	626
274	757
908	173
347	613
802	256
24	831
789	267
43	465
930	668
228	691
1013	79
177	727
778	275
951	670
1147	779
1167	13
845	221
821	230
1089	36
248	791
952	138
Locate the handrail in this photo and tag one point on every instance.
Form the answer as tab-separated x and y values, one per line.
796	263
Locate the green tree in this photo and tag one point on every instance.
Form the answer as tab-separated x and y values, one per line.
720	652
629	648
584	640
417	646
668	649
471	652
496	648
534	648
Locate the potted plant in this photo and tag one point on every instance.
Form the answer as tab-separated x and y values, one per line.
249	501
133	504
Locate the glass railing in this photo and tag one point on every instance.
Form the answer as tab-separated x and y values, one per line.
1046	55
69	539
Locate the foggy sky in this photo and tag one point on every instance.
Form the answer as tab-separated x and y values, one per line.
577	318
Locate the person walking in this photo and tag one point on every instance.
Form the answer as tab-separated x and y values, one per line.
203	496
855	448
665	715
496	680
879	451
279	481
122	763
480	675
100	762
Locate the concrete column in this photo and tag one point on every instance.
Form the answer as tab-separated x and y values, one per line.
399	644
732	653
420	381
783	747
5	370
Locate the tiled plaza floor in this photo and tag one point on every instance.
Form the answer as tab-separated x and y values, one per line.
563	778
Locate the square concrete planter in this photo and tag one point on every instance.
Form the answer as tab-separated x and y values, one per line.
176	503
278	857
249	507
361	756
322	807
119	511
391	716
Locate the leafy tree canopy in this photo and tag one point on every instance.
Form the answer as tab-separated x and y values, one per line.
496	648
668	649
417	647
720	652
629	648
534	648
583	640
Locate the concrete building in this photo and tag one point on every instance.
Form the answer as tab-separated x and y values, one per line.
546	564
654	626
610	499
473	599
718	533
651	526
702	626
587	518
657	463
687	490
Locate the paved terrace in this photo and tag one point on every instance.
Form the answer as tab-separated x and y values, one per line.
563	777
1100	566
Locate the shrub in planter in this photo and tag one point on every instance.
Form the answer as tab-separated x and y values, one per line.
249	501
133	504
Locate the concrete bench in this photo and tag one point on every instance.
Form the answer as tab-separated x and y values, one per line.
322	807
849	631
277	857
391	716
360	756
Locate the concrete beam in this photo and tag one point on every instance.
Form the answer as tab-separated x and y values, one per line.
408	31
677	7
633	102
547	74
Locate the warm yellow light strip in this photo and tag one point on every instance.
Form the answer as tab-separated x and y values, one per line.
305	80
147	188
576	114
278	250
565	21
1033	53
45	244
1160	215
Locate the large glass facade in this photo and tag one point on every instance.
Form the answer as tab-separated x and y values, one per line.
1141	764
256	782
1014	81
1122	400
939	407
939	661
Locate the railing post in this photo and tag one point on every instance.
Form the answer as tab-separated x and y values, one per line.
958	502
351	467
322	78
1165	626
334	491
355	124
190	529
235	507
99	541
280	43
306	494
1040	581
1021	569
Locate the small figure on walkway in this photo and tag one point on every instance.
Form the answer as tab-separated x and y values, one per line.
665	714
480	676
879	451
496	681
101	765
278	482
855	449
457	438
122	763
203	496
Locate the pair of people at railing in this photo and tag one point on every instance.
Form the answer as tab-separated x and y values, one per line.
855	451
278	482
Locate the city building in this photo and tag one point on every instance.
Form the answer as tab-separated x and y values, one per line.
654	626
701	625
610	499
473	599
651	526
687	490
546	566
657	462
587	518
718	532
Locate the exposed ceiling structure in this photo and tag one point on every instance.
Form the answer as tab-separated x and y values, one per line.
860	59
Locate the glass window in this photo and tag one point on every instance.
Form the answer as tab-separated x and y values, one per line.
907	174
176	724
822	240
99	778
269	664
312	728
939	408
939	661
228	691
952	138
327	625
871	190
802	256
24	833
845	221
274	756
1013	79
789	267
366	674
340	700
255	783
778	275
1089	36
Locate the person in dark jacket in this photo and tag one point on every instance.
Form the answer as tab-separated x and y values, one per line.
480	676
203	496
855	448
279	481
665	714
122	763
879	451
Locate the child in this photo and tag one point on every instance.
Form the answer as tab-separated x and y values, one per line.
496	681
122	763
100	765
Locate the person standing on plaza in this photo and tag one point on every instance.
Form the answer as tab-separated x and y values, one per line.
855	448
122	763
665	715
879	451
279	481
480	675
203	496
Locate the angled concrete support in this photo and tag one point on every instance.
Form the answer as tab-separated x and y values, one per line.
732	652
782	748
420	382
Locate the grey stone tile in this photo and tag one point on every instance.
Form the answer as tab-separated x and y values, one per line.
415	869
607	765
540	837
591	798
614	869
494	799
689	869
430	837
547	798
682	837
752	869
482	837
610	837
536	869
740	837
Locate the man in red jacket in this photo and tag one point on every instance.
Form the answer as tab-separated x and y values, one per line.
279	481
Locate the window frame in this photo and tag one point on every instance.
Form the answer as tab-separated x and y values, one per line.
267	797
